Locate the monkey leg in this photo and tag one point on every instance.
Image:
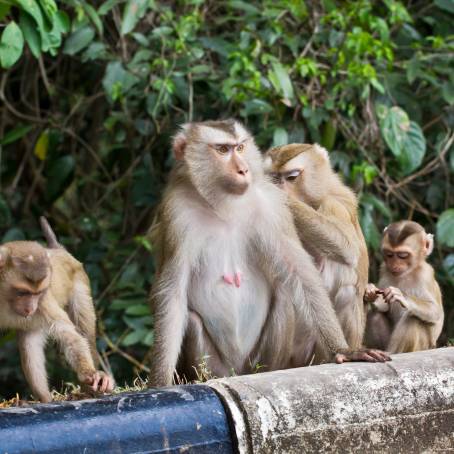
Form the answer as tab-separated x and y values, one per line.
409	335
307	351
279	346
349	308
31	347
378	330
82	312
199	355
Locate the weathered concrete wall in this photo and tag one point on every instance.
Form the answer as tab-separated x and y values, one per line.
406	405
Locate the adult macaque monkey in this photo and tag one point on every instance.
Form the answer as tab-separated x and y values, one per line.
234	285
45	293
407	310
325	214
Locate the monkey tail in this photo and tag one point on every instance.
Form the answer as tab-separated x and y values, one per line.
49	234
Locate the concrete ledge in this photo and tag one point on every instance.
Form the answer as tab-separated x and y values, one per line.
406	405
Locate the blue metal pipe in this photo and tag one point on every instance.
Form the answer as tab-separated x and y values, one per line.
182	419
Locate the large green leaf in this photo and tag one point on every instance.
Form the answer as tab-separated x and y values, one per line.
79	40
447	91
117	80
369	228
404	138
135	337
11	45
107	6
31	35
448	265
445	228
281	81
414	149
94	17
133	12
394	125
15	134
447	5
50	8
280	137
59	176
376	203
32	8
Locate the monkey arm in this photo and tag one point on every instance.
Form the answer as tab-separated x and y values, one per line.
332	230
75	347
289	262
31	347
169	306
426	310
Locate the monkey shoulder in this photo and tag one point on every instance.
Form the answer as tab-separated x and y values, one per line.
272	203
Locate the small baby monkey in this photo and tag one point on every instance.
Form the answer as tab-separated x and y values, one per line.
45	292
407	311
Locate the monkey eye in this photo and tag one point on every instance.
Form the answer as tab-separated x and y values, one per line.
22	293
389	255
240	148
403	255
223	149
292	176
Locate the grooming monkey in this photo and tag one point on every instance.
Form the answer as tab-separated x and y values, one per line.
234	285
407	310
325	213
45	292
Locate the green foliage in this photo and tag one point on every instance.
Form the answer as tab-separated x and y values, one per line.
11	45
84	131
445	228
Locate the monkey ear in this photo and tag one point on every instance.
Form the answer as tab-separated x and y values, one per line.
267	162
385	229
179	143
323	152
4	254
429	244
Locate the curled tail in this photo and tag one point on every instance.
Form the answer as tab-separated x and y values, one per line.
49	234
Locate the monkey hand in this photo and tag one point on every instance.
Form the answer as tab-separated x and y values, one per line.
367	354
393	295
98	381
370	294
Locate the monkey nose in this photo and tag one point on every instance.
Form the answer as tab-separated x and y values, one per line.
243	171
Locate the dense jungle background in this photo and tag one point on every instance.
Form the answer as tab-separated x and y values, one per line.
91	91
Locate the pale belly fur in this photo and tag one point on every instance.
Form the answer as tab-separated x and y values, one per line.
233	312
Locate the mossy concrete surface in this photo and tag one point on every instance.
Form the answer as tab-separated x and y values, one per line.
406	405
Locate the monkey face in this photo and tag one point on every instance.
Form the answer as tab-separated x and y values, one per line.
24	295
220	156
234	175
23	302
399	261
300	170
402	256
25	276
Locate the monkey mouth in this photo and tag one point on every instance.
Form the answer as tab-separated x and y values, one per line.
236	187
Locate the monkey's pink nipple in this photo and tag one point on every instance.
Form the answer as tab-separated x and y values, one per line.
228	279
237	279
